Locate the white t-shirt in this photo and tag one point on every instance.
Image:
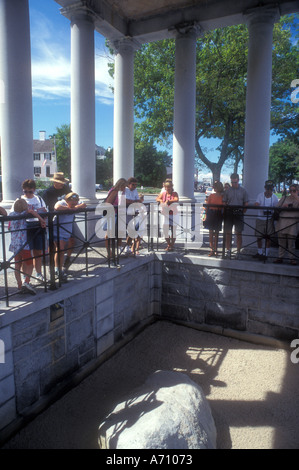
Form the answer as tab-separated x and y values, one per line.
262	200
35	203
132	195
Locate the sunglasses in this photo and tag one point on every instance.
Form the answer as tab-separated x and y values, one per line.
28	191
73	198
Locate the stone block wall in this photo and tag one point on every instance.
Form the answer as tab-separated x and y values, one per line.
254	298
62	333
52	341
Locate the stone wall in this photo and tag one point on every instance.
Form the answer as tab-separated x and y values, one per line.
48	343
256	298
52	341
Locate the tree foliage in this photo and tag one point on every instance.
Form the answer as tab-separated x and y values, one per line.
284	158
150	163
220	89
63	149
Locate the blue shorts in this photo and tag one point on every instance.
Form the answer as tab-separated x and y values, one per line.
36	237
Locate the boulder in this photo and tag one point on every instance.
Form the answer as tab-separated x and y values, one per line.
169	411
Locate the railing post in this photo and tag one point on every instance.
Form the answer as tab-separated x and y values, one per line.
4	262
51	252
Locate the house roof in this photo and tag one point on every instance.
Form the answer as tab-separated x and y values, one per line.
150	20
43	146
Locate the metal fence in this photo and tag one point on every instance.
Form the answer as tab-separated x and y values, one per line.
91	248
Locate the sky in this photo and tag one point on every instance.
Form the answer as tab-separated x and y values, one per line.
51	64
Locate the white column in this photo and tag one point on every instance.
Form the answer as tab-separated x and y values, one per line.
258	99
184	114
83	166
123	138
16	129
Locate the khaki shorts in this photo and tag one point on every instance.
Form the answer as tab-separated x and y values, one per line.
264	227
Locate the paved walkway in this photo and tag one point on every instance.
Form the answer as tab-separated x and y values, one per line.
252	391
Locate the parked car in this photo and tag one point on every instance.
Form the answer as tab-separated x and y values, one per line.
209	190
99	187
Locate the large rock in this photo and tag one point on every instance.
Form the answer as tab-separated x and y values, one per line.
169	411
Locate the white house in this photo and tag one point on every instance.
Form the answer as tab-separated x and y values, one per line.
44	157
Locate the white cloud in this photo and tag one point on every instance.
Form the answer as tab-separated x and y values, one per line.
51	64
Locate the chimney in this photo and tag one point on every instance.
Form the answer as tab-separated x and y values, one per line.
42	135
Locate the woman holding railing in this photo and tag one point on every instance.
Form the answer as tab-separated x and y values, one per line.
286	226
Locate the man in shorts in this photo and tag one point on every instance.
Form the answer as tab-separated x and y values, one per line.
264	225
234	197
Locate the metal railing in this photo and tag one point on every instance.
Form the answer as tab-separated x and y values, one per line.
90	250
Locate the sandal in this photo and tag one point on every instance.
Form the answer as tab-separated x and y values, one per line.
211	253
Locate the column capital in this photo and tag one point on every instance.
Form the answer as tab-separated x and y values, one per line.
79	11
125	44
187	29
265	14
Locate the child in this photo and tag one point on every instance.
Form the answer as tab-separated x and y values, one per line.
19	246
214	217
166	198
65	229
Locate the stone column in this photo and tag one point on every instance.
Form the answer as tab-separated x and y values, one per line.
83	106
123	141
184	113
258	101
15	98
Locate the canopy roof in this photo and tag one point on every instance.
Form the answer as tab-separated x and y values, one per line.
150	20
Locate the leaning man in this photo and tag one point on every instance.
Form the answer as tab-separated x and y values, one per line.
234	197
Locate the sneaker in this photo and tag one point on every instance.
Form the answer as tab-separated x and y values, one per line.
28	289
63	275
127	249
39	277
67	262
228	254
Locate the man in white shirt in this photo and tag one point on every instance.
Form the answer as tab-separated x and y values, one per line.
264	226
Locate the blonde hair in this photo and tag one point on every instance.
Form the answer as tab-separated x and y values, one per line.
20	205
119	183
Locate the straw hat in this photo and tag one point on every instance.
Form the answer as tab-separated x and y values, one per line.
59	178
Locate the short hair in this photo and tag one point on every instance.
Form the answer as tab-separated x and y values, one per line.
132	180
29	184
20	205
234	176
218	186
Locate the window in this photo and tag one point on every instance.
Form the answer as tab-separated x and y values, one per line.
37	170
36	156
47	156
48	171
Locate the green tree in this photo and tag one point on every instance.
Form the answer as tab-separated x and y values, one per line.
283	162
220	89
63	149
104	170
150	164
